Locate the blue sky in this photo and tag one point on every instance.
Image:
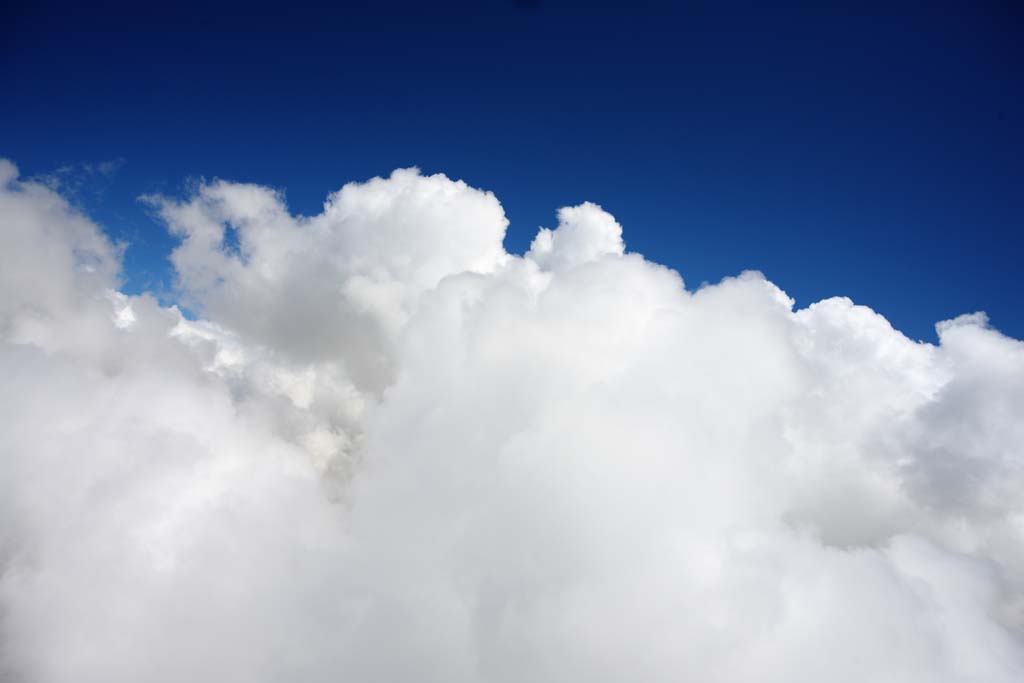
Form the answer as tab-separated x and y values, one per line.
867	152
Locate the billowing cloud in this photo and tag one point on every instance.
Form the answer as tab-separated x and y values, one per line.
387	450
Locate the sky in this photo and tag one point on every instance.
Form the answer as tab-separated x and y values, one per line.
872	152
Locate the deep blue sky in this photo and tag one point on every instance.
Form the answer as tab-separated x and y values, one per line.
868	152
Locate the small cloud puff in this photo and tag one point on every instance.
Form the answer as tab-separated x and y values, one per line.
584	233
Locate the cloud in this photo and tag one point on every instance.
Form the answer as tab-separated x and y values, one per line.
389	450
79	181
340	285
584	233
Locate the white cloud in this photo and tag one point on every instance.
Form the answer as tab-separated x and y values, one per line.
389	450
337	286
584	233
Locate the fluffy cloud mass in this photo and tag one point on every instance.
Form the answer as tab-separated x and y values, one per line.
384	449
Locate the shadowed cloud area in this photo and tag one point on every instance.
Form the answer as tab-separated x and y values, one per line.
386	449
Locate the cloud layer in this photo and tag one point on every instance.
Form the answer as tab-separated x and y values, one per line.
387	450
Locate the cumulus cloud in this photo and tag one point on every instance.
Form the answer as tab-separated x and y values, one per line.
386	449
340	285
